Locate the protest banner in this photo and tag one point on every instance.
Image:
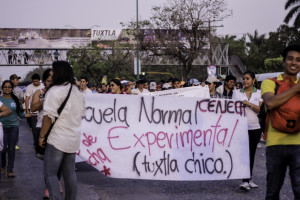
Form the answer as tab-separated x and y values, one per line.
195	91
165	138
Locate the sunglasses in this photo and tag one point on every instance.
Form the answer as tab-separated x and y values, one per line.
7	87
112	85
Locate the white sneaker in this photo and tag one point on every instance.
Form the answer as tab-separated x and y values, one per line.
259	145
245	186
252	185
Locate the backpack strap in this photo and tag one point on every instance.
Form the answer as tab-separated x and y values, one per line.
276	84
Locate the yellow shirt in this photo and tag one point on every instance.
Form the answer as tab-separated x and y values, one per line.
274	136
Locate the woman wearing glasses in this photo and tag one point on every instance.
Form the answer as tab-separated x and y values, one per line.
4	111
10	127
116	87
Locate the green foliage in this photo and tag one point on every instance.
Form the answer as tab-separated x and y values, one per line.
281	38
180	30
274	64
236	46
294	12
256	49
261	48
94	63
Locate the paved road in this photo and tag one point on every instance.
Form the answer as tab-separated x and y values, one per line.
92	185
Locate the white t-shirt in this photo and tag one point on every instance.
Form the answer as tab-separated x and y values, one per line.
87	91
137	91
1	104
65	134
253	121
30	90
18	92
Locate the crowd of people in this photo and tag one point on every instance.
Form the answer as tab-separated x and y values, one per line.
14	58
57	105
218	87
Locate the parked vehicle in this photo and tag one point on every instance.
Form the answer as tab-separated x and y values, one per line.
21	40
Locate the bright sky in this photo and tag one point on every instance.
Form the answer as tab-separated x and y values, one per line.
263	15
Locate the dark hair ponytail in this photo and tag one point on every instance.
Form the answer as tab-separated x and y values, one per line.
16	99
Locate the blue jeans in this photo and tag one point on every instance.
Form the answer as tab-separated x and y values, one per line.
54	161
10	137
279	157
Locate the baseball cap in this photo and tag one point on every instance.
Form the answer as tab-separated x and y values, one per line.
220	76
166	86
211	79
124	82
152	86
14	76
194	81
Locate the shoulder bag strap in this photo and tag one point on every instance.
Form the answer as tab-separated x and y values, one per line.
59	110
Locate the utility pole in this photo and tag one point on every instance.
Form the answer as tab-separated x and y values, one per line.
137	41
209	36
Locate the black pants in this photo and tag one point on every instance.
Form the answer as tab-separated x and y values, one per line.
32	123
10	60
254	138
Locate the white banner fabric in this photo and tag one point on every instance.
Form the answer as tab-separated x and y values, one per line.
165	138
195	91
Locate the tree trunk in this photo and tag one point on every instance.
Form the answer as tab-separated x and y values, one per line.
185	72
186	69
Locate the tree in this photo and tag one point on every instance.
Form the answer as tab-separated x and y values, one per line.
274	64
280	39
261	54
256	39
236	46
256	52
180	30
94	62
294	6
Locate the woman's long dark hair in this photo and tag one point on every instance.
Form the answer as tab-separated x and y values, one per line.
13	96
46	74
62	73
